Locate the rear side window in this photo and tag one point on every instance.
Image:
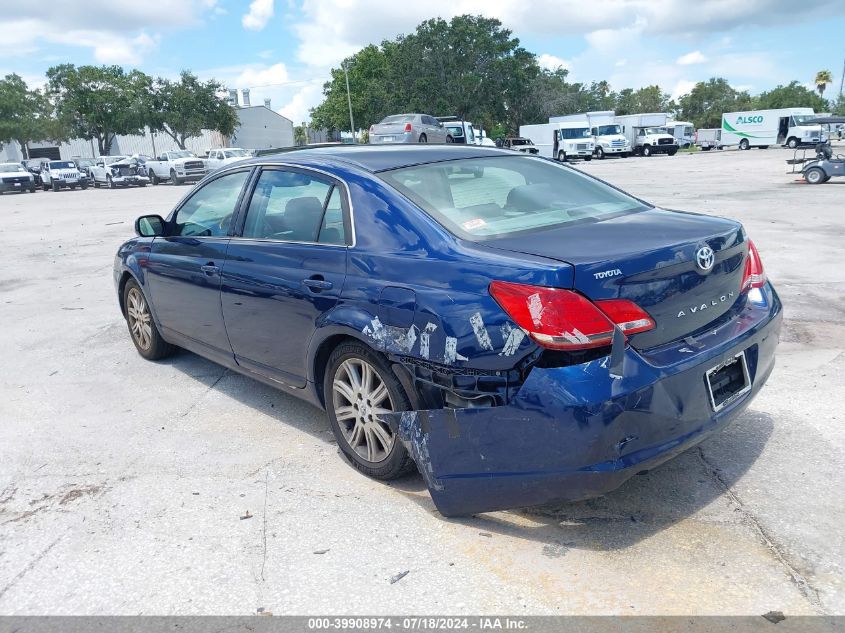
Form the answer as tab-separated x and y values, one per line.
291	206
484	198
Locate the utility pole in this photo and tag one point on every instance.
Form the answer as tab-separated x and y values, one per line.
349	101
841	79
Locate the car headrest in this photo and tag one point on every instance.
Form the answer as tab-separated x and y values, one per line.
302	217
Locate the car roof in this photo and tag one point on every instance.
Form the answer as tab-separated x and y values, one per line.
15	164
376	158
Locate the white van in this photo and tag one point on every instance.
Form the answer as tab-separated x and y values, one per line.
761	128
563	141
682	131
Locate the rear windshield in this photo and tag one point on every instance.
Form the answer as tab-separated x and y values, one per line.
398	118
484	198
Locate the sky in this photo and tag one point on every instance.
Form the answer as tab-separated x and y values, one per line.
283	49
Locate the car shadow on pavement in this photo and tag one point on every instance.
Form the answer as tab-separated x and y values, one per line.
695	484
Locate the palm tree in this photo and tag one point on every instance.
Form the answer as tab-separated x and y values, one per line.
823	77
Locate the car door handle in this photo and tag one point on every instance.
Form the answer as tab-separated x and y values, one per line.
317	283
210	269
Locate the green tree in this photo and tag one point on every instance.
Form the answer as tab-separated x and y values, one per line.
646	99
838	106
99	102
183	109
706	102
300	135
793	95
25	114
823	77
470	67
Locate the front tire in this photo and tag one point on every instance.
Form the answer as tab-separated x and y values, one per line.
599	153
173	178
358	386
110	182
646	151
142	327
423	138
561	156
153	178
84	185
672	152
815	176
744	144
792	143
56	186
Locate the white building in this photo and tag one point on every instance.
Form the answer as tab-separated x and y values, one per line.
260	127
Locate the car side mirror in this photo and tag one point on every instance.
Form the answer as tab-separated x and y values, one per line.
149	226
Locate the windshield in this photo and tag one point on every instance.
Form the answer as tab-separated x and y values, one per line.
485	198
235	153
398	118
609	129
579	132
181	154
62	164
803	119
654	130
10	167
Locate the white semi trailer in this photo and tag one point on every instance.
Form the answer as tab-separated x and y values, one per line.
563	141
761	128
607	134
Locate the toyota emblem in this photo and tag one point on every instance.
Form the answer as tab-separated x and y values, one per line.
705	258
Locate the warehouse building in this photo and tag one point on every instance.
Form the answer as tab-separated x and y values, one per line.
260	127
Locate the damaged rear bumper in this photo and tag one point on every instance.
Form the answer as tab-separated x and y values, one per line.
575	432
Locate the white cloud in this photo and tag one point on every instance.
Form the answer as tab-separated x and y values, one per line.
260	13
259	76
682	87
695	57
116	32
552	62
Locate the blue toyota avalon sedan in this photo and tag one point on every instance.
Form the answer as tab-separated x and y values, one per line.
518	331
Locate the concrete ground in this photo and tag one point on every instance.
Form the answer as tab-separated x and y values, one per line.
177	487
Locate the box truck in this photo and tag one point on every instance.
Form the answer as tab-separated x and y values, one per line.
646	135
563	141
608	139
761	128
682	131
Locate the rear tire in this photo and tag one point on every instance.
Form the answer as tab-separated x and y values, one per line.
56	186
142	327
359	385
153	178
792	143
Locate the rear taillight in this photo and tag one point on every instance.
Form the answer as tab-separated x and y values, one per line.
754	275
409	127
565	320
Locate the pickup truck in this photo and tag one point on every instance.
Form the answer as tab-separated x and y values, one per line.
178	166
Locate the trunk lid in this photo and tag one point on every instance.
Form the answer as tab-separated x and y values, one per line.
657	259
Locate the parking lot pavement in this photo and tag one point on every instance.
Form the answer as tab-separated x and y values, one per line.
180	488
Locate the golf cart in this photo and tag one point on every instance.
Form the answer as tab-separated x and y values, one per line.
825	164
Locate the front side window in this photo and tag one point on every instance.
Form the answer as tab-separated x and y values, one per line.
208	213
291	206
485	198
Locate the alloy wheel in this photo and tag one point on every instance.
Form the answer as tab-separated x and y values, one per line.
138	315
359	396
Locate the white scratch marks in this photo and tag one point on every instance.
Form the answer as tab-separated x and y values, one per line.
425	339
450	354
481	335
375	330
535	309
512	337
